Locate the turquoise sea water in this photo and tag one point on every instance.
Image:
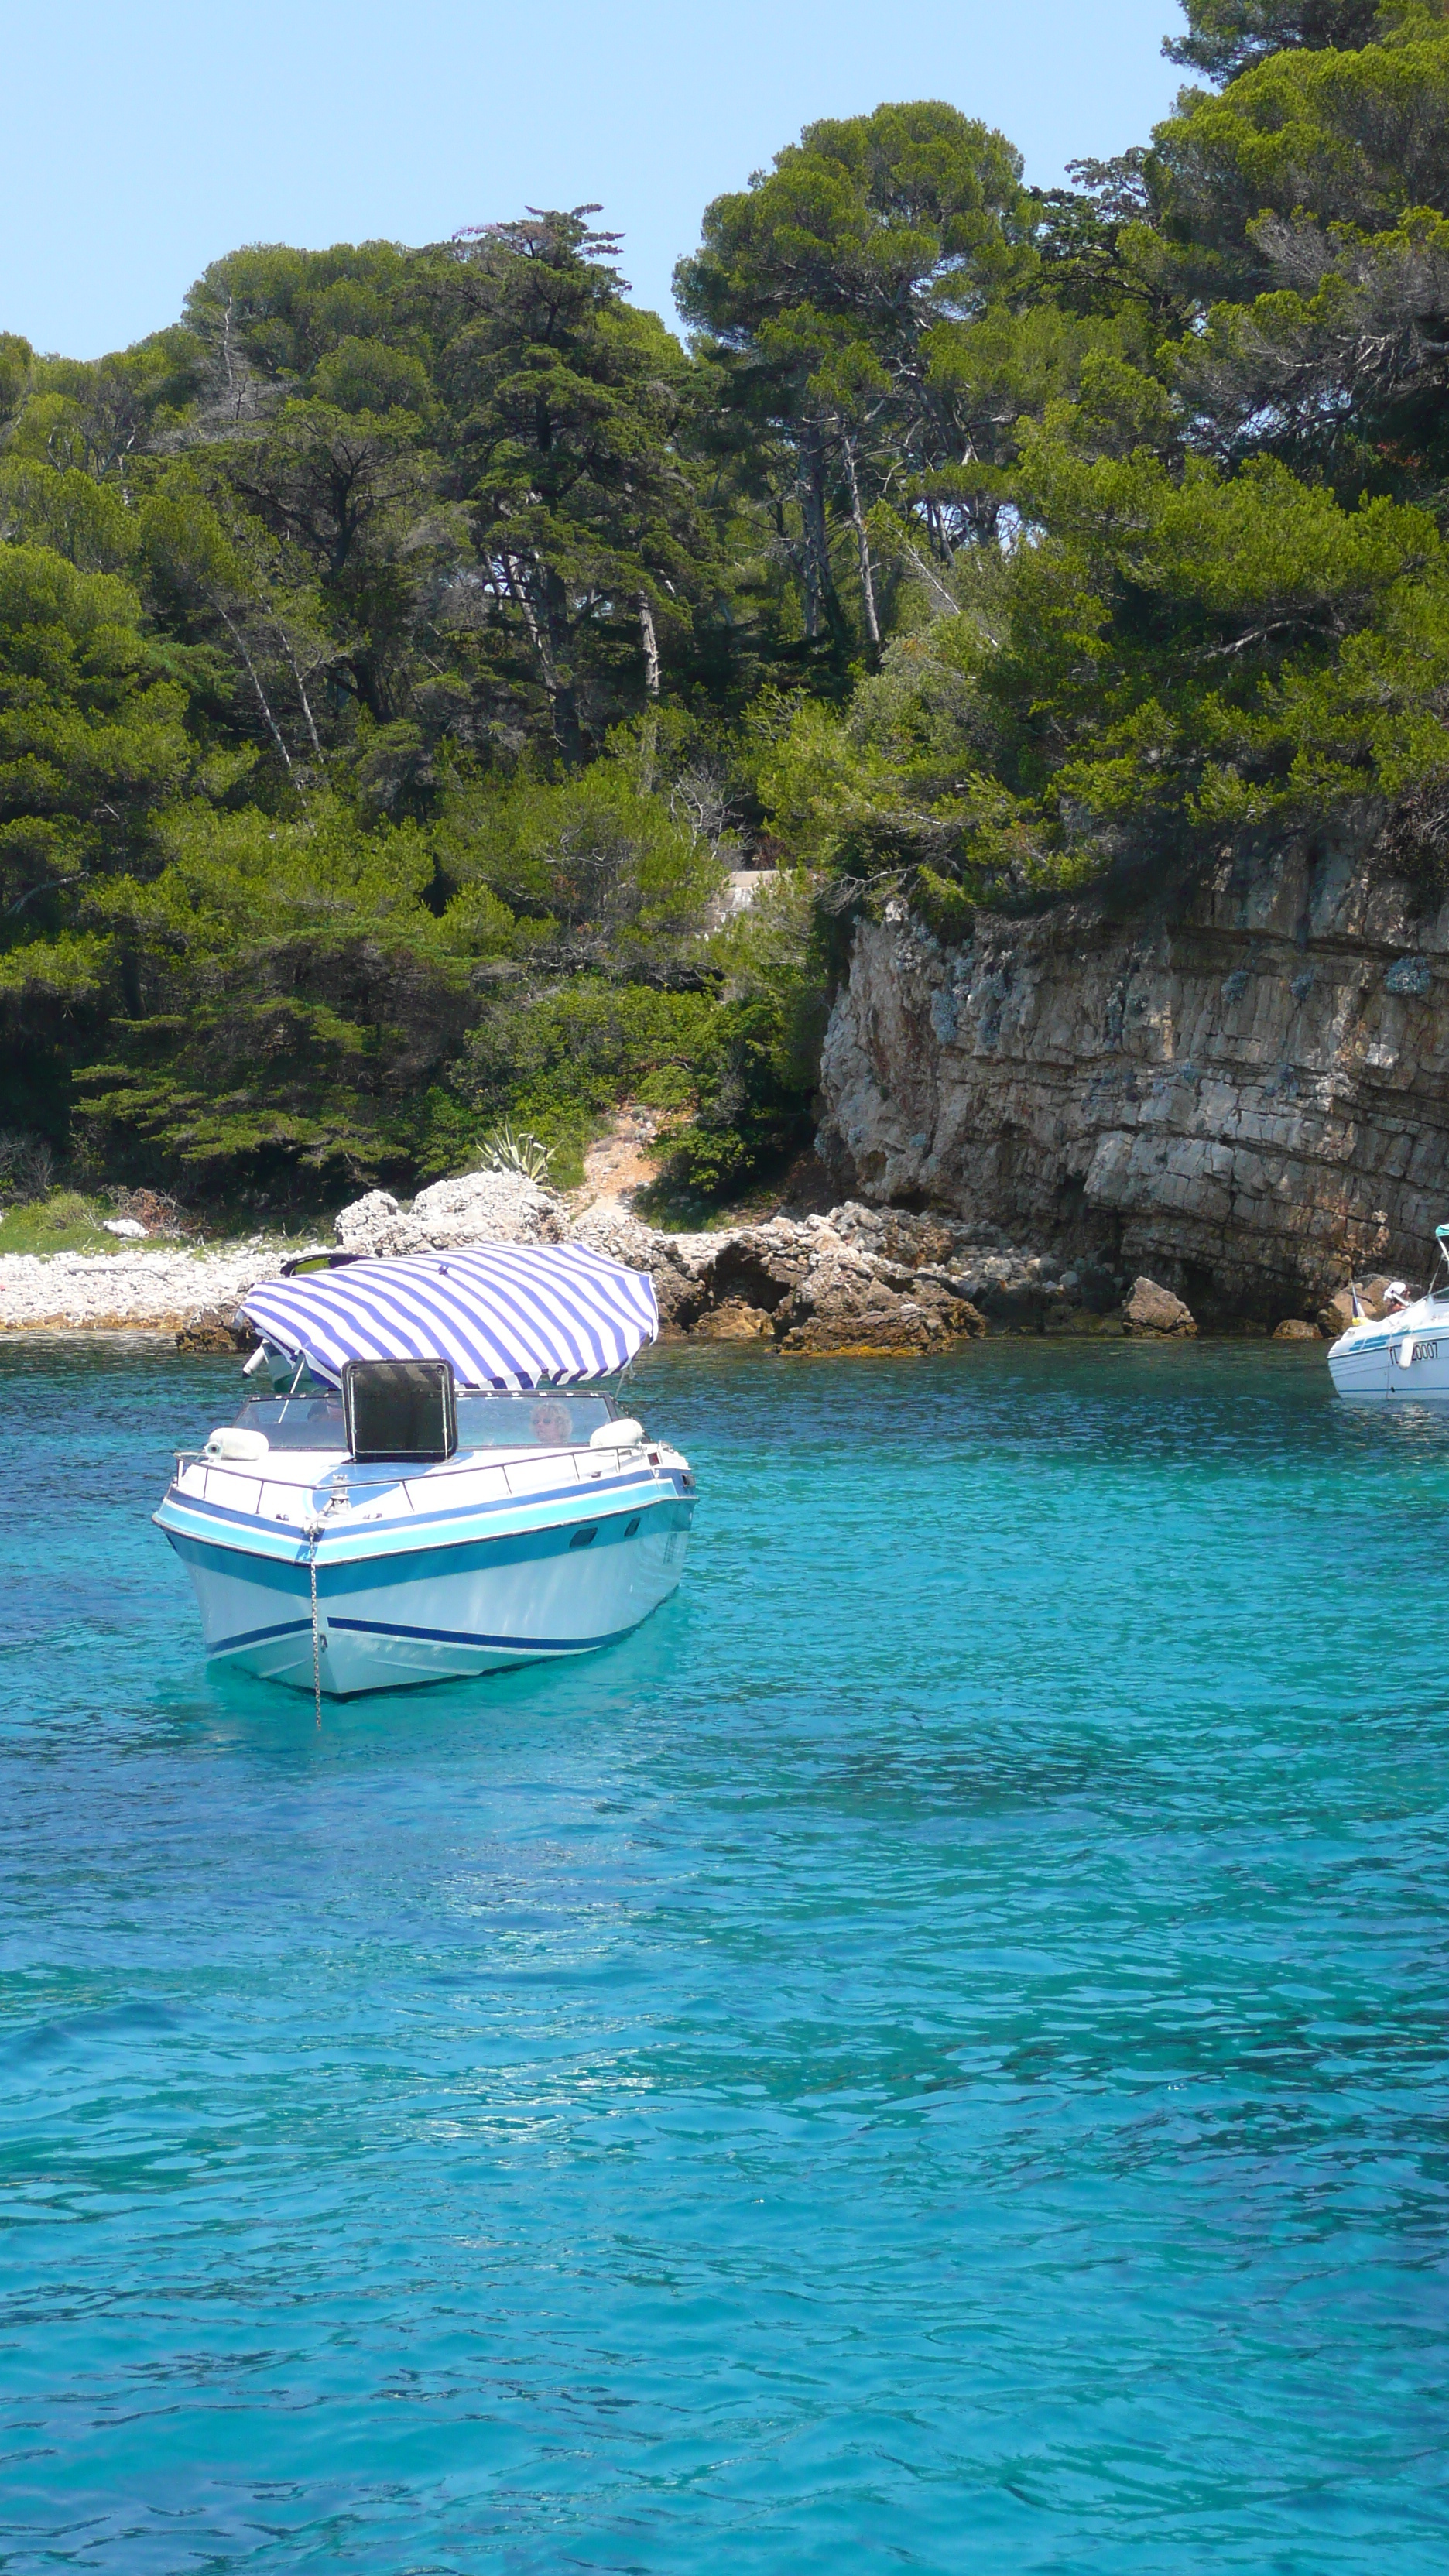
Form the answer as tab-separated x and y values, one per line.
933	2056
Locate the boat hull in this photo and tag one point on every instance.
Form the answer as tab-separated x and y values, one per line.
447	1607
1403	1359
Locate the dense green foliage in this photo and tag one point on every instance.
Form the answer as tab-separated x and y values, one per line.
396	653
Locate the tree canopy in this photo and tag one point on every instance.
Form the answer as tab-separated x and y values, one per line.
397	650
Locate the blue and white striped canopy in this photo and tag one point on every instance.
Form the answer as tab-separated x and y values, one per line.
501	1314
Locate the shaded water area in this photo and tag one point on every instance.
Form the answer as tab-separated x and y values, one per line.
931	2056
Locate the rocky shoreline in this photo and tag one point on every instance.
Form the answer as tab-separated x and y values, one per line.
858	1280
130	1291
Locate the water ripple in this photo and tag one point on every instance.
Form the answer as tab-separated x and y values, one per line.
931	2057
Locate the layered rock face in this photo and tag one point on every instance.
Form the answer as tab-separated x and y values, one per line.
1245	1093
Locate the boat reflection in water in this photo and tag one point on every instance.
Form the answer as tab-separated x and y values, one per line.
438	1483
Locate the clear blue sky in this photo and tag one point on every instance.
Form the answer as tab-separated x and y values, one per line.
143	141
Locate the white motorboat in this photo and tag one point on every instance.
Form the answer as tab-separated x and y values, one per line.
1403	1354
436	1482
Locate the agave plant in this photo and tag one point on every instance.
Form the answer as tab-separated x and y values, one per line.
511	1149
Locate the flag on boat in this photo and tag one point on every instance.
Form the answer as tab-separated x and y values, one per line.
501	1314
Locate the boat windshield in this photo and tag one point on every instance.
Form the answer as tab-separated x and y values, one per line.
544	1420
297	1421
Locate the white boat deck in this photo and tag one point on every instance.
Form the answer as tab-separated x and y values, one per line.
295	1486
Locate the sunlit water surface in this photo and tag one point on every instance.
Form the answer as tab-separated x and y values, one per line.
932	2056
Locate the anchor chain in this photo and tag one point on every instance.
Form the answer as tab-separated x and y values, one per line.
316	1639
314	1532
313	1529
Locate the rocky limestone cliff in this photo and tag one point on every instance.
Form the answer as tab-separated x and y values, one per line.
1244	1091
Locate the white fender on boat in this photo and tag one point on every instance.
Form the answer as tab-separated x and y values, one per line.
617	1435
232	1441
1404	1355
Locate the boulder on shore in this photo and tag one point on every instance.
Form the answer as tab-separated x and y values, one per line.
733	1321
848	1302
1374	1302
861	1279
216	1328
1154	1314
1295	1328
479	1207
679	1264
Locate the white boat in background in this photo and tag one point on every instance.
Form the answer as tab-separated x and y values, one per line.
1402	1355
437	1483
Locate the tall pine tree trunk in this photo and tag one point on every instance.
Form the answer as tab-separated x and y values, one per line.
543	634
862	545
812	513
567	731
649	740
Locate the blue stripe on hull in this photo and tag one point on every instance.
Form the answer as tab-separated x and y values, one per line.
335	1580
467	1637
259	1636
